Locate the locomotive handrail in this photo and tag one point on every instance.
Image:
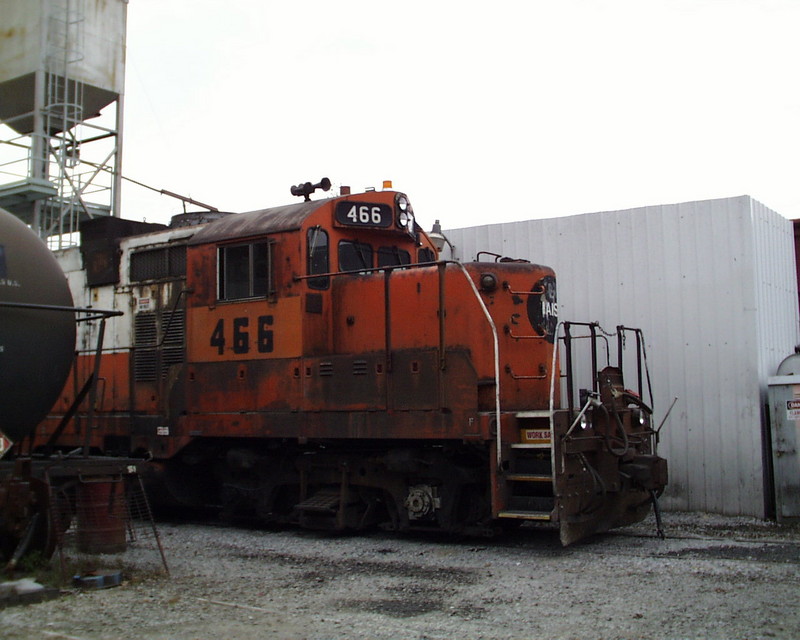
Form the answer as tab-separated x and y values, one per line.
553	377
94	314
496	345
641	357
566	339
358	272
183	292
109	350
498	257
100	313
533	292
520	376
596	332
593	327
510	333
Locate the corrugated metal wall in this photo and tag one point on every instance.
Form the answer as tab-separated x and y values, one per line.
713	285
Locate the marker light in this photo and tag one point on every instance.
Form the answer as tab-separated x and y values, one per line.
387	184
488	282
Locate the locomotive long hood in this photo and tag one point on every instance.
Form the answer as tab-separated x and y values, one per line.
254	223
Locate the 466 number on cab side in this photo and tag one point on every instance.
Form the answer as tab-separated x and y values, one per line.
242	335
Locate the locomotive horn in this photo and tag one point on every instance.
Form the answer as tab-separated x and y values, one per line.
306	189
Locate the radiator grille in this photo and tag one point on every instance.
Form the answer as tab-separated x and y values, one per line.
159	344
153	264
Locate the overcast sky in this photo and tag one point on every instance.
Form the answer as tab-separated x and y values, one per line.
480	111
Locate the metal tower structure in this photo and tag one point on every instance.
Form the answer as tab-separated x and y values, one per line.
61	93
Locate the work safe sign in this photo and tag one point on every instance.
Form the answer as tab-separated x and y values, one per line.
793	409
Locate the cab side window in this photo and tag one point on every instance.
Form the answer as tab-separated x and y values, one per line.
318	258
244	271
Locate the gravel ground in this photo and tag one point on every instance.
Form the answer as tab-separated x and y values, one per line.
712	578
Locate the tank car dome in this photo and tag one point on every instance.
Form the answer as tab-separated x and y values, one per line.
36	346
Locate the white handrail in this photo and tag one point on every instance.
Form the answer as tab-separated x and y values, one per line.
553	376
496	361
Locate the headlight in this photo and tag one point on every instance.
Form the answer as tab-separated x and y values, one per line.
405	213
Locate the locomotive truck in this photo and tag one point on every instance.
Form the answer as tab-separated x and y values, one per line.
318	364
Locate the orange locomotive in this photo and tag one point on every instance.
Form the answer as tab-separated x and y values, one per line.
316	363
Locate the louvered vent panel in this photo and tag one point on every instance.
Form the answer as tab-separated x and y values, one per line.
144	365
169	357
172	327
144	328
173	335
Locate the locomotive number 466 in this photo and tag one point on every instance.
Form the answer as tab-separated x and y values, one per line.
364	214
240	337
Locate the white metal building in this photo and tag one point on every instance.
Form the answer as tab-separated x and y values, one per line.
713	285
